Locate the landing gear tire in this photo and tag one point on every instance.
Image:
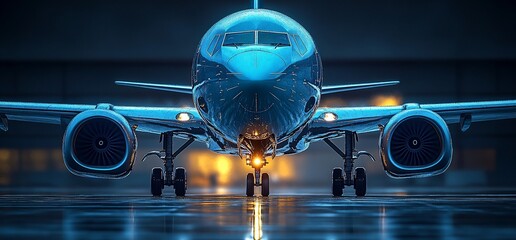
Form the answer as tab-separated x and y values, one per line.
360	182
265	184
249	190
337	182
157	182
180	182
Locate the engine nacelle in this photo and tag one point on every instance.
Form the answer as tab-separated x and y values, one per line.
99	143
415	143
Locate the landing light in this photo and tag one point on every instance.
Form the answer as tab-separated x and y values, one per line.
329	116
257	162
183	117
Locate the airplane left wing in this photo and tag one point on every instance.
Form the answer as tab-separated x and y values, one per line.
332	122
184	122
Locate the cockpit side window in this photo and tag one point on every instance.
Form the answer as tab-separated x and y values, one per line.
215	44
273	38
239	38
301	47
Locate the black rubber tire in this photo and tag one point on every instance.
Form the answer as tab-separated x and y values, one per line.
360	182
180	182
249	190
337	182
265	184
157	182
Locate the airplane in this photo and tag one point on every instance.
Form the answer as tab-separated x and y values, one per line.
256	87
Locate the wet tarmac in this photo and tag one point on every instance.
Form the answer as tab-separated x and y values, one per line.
204	216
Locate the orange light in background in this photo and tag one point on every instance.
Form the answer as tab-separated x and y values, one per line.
209	169
206	169
37	159
284	168
386	100
56	156
223	168
8	159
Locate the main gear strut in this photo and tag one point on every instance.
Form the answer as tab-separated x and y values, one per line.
349	156
167	155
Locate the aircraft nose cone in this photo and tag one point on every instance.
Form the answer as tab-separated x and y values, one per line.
256	65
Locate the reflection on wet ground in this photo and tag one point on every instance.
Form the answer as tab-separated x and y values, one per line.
381	216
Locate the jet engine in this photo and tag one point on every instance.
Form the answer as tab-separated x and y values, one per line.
415	143
99	143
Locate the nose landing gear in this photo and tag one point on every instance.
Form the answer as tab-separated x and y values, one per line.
340	180
255	157
254	181
176	178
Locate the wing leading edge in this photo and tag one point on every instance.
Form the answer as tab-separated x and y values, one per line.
367	119
357	86
148	119
156	86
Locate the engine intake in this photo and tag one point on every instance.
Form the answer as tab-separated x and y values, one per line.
415	143
99	143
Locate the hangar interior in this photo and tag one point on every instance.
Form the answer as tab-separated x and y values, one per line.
441	51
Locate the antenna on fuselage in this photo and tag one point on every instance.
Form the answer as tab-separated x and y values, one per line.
255	5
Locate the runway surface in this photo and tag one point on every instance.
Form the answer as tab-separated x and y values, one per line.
389	215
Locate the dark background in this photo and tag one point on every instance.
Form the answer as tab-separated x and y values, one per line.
441	51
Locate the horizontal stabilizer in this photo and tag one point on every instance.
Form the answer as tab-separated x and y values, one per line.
156	86
3	122
353	87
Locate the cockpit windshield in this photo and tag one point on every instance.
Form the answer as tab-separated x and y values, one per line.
273	38
239	39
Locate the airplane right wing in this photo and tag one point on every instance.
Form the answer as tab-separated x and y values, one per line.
332	122
185	122
100	140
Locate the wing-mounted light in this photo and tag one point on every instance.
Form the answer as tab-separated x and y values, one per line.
184	117
329	117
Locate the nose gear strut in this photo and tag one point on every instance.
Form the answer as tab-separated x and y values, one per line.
257	150
349	157
167	155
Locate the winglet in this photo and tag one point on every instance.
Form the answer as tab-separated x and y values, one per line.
353	87
155	86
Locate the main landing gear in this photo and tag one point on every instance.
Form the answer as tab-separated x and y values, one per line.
169	178
254	181
340	179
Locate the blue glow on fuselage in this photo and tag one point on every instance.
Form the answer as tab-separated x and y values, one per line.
251	20
256	89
